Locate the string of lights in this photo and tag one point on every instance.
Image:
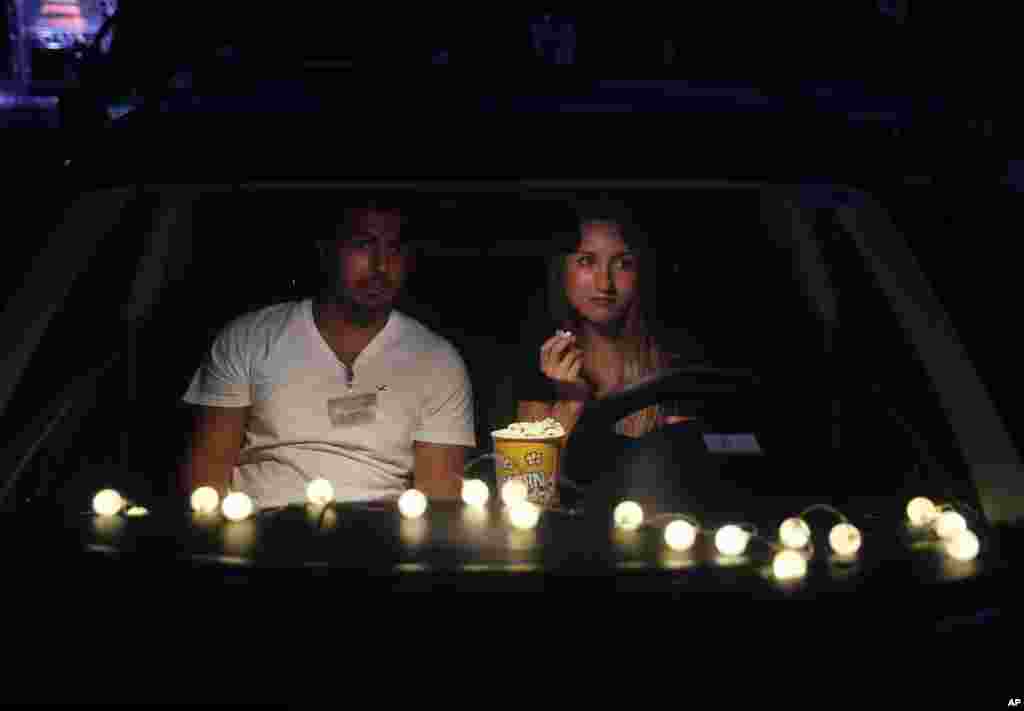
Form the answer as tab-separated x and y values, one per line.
932	525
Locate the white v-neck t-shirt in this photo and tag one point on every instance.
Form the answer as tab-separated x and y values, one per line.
312	417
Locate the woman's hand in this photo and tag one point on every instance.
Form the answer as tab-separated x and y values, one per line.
561	360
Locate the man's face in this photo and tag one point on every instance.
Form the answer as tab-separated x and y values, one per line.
368	267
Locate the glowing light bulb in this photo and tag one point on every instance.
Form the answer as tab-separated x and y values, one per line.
789	565
412	503
107	502
963	545
628	515
794	532
524	515
680	535
513	491
205	500
949	523
236	506
475	492
921	511
731	540
845	539
136	511
320	492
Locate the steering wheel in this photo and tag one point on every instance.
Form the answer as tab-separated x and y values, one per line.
663	470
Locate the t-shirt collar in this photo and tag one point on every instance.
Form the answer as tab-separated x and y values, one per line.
387	335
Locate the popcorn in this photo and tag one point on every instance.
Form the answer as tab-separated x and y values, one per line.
544	429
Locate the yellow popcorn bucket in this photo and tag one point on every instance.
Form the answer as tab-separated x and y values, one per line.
532	460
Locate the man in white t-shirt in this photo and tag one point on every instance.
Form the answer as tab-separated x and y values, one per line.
341	386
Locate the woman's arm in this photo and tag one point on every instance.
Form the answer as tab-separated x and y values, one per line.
561	361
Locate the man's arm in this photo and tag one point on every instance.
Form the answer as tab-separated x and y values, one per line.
446	418
437	469
213	449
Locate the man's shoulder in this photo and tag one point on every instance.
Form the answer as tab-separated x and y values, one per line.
418	337
262	323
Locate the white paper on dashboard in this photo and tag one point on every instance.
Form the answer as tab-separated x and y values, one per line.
732	444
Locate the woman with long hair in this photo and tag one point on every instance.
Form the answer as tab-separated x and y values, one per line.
601	290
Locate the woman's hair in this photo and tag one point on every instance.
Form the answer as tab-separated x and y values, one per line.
640	348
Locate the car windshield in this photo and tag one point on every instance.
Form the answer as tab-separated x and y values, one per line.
787	281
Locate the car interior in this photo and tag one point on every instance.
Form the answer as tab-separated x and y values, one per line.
730	272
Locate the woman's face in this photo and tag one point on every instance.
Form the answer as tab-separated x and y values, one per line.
601	275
